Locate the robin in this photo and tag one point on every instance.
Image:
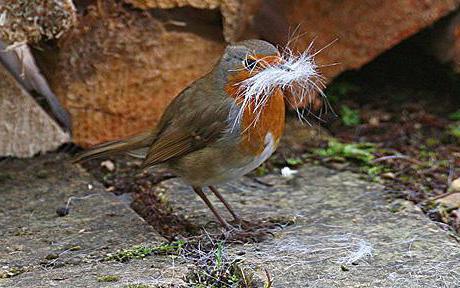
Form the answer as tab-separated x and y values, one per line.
225	124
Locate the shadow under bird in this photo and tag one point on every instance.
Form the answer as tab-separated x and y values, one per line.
225	124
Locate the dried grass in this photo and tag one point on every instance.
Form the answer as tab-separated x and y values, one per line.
29	21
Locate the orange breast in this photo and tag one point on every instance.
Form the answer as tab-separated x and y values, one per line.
271	118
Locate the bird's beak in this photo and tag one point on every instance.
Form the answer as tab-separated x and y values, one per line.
270	61
285	67
281	63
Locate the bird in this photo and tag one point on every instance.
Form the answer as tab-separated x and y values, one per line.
223	125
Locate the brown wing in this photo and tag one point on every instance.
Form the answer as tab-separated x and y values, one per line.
192	121
175	144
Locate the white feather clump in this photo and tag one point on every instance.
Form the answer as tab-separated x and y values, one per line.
287	172
363	250
296	73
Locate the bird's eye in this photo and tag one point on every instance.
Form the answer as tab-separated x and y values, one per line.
249	63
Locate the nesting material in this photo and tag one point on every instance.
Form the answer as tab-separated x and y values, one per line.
362	251
295	73
289	173
30	21
343	249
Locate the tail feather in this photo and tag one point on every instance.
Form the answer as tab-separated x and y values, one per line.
116	147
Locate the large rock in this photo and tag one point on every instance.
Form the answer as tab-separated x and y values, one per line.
446	41
363	29
236	13
25	128
119	69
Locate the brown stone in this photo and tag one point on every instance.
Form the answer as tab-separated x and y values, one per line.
236	13
25	128
446	41
363	29
120	68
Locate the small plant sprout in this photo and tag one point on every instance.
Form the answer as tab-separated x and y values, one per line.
360	152
349	117
140	252
455	115
454	130
108	278
219	254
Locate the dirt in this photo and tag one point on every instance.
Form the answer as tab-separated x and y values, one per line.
153	207
152	202
406	102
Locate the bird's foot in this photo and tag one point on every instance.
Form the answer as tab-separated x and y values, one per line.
243	231
256	224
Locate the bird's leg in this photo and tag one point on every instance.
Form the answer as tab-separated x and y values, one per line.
200	193
245	230
229	208
258	228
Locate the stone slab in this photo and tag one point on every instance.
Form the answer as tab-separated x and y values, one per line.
347	233
98	224
342	223
25	128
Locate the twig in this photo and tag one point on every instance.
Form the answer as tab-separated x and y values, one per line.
269	282
450	178
442	195
391	157
246	284
78	198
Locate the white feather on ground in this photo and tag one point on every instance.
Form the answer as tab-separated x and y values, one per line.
287	172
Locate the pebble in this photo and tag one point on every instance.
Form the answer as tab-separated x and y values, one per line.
389	175
62	211
109	165
51	256
374	121
455	185
451	200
